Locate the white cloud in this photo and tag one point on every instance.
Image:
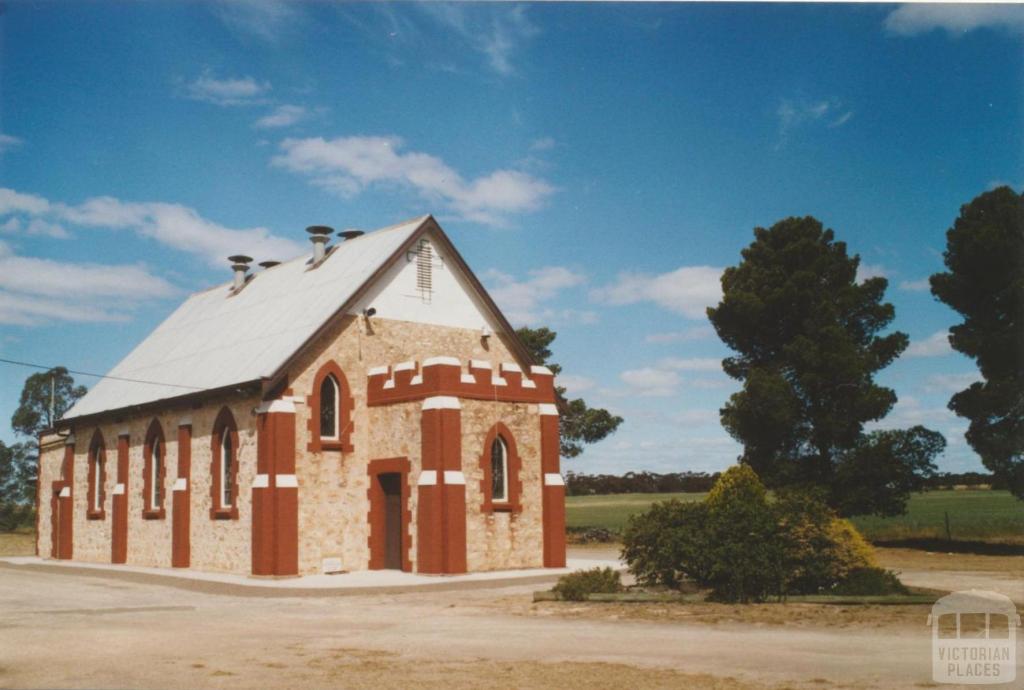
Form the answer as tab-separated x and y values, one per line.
866	271
348	165
16	202
913	19
521	300
228	91
650	382
543	144
684	336
691	363
8	142
793	114
36	291
172	225
950	383
574	385
935	345
688	290
495	31
915	285
266	20
282	116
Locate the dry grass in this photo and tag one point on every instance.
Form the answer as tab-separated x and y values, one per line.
18	543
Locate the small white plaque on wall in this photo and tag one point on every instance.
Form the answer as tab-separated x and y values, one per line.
332	565
118	489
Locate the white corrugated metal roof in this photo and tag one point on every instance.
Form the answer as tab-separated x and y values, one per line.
215	340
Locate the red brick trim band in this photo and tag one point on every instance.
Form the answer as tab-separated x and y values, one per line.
181	497
553	490
95	506
377	518
514	485
345	403
275	492
119	505
441	506
444	376
225	423
150	511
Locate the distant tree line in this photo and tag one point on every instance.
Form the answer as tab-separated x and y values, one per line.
578	484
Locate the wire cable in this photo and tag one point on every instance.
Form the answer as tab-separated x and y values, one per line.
100	376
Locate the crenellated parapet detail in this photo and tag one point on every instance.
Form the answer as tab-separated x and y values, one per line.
477	379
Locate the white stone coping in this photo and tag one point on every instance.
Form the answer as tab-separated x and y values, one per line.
352	582
377	371
498	381
405	366
390	383
467	378
527	383
287	481
416	380
543	371
427	478
454	477
553	479
282	406
442	361
511	366
548	409
442	402
479	364
180	484
261	481
65	492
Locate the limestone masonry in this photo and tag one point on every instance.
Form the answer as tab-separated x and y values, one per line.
366	407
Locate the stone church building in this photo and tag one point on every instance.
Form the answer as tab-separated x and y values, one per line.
365	406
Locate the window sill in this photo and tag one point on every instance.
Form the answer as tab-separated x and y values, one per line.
336	446
224	514
95	515
158	514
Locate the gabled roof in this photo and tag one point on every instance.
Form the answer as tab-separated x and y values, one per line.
216	340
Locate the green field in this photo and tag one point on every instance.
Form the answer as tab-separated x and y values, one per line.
994	516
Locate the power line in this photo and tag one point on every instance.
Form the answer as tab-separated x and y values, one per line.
100	376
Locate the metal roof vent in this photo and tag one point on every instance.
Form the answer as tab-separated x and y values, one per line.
239	264
319	235
350	234
268	264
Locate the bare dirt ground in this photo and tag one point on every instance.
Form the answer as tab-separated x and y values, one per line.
61	630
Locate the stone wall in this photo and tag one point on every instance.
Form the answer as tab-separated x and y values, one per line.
216	545
333	485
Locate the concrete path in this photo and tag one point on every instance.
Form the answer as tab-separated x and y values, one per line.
361	582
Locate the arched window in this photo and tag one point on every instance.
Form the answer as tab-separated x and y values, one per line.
226	458
97	478
329	408
156	499
499	471
154	473
330	411
501	464
224	465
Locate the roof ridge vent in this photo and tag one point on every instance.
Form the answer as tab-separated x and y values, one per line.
319	235
239	264
350	234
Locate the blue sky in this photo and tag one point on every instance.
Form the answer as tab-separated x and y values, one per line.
597	164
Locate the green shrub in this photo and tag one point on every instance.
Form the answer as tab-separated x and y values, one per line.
870	581
668	543
742	547
576	586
